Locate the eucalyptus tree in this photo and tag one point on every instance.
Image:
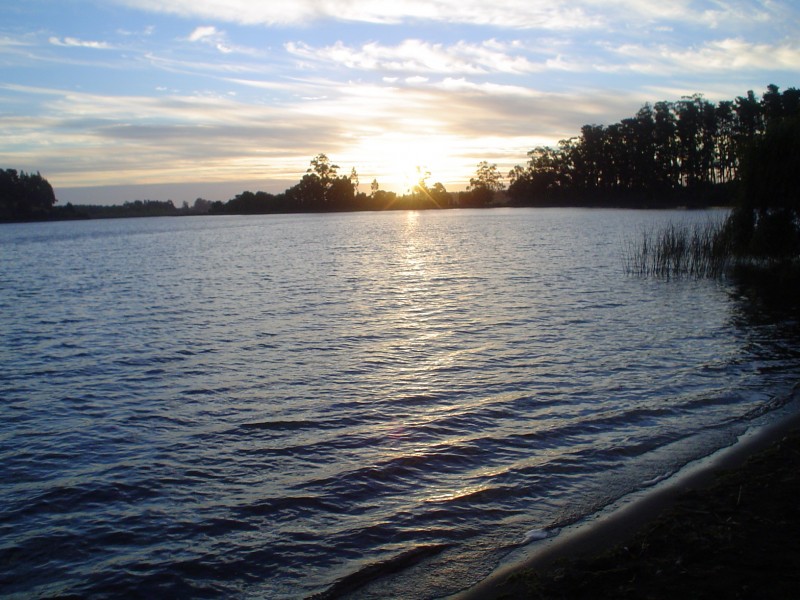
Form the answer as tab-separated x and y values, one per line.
666	145
485	184
322	168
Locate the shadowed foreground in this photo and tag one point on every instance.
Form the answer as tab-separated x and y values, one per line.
736	538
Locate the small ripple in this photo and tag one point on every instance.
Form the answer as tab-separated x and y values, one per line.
373	571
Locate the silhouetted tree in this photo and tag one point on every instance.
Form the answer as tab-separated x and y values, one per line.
340	195
249	203
321	189
767	221
201	206
25	196
322	168
440	197
483	186
307	195
678	149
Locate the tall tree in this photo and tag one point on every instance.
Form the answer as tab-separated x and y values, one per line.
25	195
767	221
487	177
322	168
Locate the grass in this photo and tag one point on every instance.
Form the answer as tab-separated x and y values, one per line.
700	250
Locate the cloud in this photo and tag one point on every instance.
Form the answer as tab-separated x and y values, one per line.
146	32
92	139
71	42
211	36
13	42
514	13
555	15
419	56
460	84
717	56
204	33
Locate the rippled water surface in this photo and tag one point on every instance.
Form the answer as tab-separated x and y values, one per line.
369	404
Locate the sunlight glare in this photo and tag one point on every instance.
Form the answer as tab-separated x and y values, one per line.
399	161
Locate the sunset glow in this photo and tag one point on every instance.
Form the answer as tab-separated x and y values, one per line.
399	159
208	98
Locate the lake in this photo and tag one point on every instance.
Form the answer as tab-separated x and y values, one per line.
374	404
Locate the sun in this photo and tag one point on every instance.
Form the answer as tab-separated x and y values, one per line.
415	176
401	161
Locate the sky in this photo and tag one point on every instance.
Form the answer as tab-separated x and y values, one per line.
117	100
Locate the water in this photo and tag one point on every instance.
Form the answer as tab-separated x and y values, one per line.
379	405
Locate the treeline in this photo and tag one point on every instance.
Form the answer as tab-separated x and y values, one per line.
26	206
762	233
684	152
322	189
691	152
137	208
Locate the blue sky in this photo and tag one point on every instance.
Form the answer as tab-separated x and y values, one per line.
116	100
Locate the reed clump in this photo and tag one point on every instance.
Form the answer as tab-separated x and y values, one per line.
681	250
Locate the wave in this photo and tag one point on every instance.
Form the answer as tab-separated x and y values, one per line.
371	572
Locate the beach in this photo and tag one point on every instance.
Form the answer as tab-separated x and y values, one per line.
726	527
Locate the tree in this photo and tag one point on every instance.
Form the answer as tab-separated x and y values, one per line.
321	189
322	168
340	195
666	146
439	195
486	182
307	195
25	195
488	177
201	205
727	161
517	172
767	221
420	184
749	117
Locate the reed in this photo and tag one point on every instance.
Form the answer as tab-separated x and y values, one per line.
699	250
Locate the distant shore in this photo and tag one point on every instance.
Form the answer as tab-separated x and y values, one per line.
726	527
135	210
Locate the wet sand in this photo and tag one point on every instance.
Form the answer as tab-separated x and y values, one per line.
727	526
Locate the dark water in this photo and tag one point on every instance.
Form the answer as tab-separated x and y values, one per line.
376	404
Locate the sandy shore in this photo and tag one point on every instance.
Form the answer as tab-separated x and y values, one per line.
727	526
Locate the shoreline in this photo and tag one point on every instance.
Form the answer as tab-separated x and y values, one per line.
597	536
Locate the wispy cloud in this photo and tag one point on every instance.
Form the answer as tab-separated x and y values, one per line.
140	139
8	41
71	42
419	56
136	139
557	15
146	32
250	90
515	13
211	36
713	57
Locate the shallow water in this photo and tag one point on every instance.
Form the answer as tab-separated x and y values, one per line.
367	404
